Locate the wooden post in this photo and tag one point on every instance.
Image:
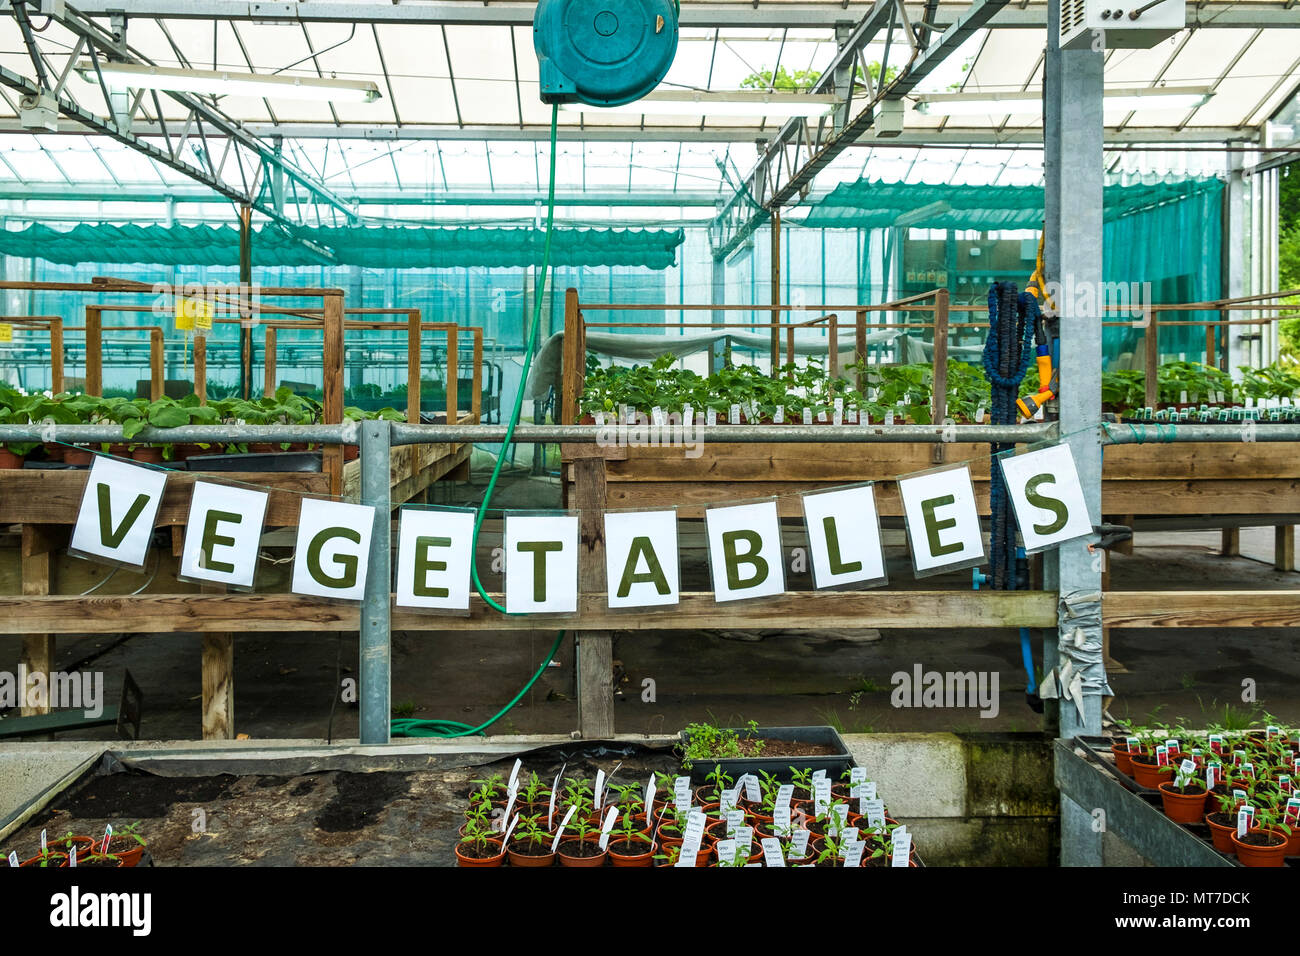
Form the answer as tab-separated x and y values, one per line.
413	367
1152	372
595	666
789	348
56	355
218	665
776	291
1230	542
453	377
94	351
38	649
476	400
1125	546
1284	547
332	369
574	359
268	365
860	347
201	368
1210	332
833	332
939	398
155	364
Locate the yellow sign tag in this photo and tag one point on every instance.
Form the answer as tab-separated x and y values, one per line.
6	332
194	313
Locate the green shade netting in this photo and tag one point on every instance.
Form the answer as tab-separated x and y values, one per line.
381	247
872	203
1166	233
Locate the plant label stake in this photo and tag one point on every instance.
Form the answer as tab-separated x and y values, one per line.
849	835
694	832
853	853
1173	745
726	801
1162	756
901	849
44	849
1272	730
1284	783
799	844
726	852
735	820
744	837
821	796
13	857
1210	775
778	416
1292	815
1244	817
72	855
688	416
649	798
596	797
752	792
733	415
510	805
505	837
514	774
559	832
807	416
687	856
781	820
710	416
550	813
838	417
108	835
874	811
607	827
783	795
1295	766
772	852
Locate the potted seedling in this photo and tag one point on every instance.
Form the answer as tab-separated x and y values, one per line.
630	845
479	846
1223	822
530	844
1265	843
1183	796
535	795
583	848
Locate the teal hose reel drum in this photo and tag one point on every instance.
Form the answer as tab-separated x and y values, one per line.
603	52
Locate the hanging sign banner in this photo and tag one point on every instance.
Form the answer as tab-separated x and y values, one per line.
330	556
844	537
745	551
118	508
1047	497
541	564
222	534
641	558
434	550
943	522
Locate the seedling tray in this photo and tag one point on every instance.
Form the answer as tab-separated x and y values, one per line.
834	762
257	461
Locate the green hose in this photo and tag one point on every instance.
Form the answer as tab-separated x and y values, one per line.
453	728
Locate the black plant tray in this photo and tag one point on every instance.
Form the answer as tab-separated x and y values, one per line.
256	461
834	764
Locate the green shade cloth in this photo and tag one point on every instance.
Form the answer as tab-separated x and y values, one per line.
869	204
400	247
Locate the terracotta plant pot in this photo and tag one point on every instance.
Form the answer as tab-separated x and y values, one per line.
78	456
498	860
53	861
351	452
1221	834
1253	854
54	451
1293	842
1123	759
130	857
152	454
584	858
1149	775
643	855
1183	807
9	460
529	859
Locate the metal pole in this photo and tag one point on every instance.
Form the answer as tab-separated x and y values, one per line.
245	280
1072	165
776	289
376	647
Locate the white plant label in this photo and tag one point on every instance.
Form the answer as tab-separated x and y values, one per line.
744	838
13	857
688	415
505	839
799	843
735	820
733	415
821	796
657	415
694	833
687	856
818	775
608	826
784	794
858	775
874	811
559	831
510	805
649	798
514	774
727	852
753	793
900	852
807	416
889	416
772	852
849	834
781	819
726	802
821	418
852	853
1244	816
778	416
597	796
711	416
550	813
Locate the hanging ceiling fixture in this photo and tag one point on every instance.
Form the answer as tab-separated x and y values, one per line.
228	83
1004	104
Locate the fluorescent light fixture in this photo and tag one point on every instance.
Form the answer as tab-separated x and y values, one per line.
726	103
1180	98
933	210
228	83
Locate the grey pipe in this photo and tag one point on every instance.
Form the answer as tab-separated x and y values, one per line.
376	649
404	434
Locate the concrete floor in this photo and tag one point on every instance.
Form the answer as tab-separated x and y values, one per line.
285	684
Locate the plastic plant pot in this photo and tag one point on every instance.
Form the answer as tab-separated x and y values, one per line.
642	854
1221	834
1257	854
1183	807
494	859
582	852
1123	759
8	460
1149	775
519	858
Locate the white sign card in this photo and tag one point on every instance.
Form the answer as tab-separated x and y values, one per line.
434	552
331	555
641	563
541	563
118	508
943	522
844	537
222	534
745	551
1047	497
